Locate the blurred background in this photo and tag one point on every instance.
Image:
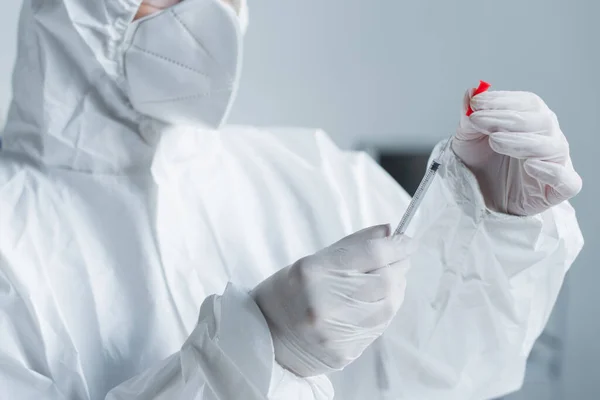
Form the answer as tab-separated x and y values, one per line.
388	77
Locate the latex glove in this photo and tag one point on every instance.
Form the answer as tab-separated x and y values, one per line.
514	146
326	309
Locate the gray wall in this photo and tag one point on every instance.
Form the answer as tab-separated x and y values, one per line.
393	72
8	45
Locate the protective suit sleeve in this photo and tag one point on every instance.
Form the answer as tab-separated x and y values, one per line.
479	295
228	356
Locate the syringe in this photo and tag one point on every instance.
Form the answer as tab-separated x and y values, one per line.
420	192
428	178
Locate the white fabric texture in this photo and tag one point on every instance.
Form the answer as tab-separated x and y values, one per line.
127	247
326	309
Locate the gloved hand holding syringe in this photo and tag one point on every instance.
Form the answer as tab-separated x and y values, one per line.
429	176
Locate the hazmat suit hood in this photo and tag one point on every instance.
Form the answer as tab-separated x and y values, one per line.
70	109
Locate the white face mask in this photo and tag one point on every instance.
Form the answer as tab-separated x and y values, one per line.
182	65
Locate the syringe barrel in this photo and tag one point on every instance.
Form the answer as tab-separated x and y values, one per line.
413	206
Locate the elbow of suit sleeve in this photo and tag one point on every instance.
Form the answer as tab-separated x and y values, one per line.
232	351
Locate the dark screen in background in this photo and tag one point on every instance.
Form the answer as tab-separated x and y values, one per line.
406	168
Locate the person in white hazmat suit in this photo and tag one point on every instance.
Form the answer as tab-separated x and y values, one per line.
143	253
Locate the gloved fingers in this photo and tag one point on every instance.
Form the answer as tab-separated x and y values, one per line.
383	282
562	182
526	145
371	254
508	101
373	232
491	121
467	100
361	314
466	131
388	307
325	284
344	309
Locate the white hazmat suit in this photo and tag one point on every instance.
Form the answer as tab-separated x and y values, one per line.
128	246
